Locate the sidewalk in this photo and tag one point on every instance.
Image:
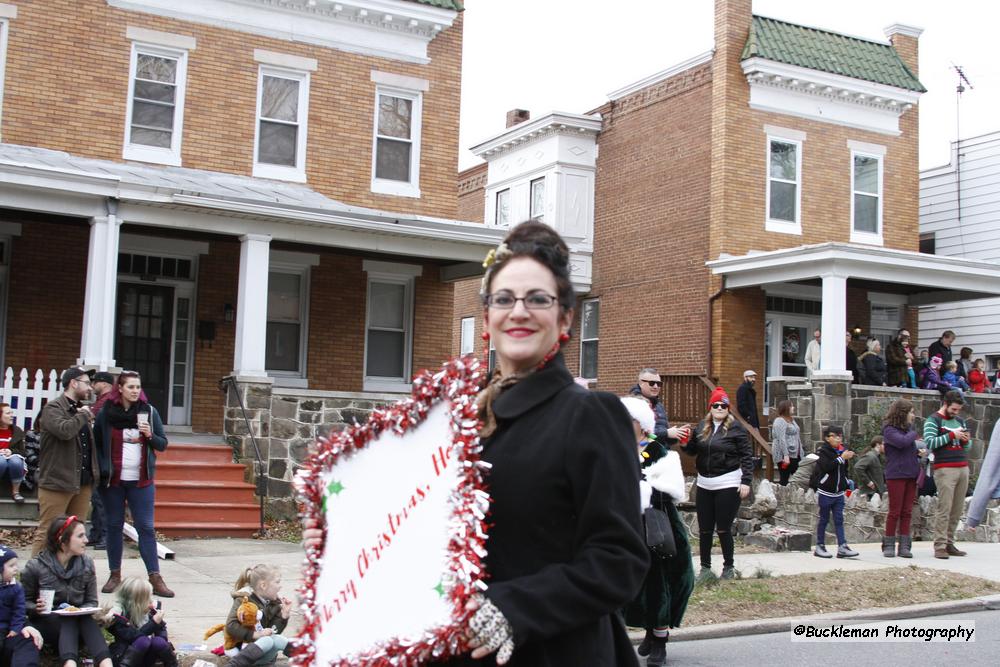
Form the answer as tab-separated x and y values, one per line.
203	572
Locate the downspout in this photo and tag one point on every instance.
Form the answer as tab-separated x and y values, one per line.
711	353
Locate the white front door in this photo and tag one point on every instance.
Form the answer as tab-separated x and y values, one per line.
787	338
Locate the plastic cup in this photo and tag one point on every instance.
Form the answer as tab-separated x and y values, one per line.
48	595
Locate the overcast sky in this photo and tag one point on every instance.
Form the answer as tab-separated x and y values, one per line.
567	55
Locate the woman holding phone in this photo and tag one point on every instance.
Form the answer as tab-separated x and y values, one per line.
129	433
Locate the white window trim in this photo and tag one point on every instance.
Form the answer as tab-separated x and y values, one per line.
540	215
405	274
496	208
583	340
467	342
168	156
296	174
292	378
783	226
867	237
399	188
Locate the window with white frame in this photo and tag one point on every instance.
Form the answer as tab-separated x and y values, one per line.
866	205
468	343
287	298
784	171
388	339
282	113
589	324
154	116
503	208
537	208
396	152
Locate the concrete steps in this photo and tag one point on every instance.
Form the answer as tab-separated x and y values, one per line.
200	492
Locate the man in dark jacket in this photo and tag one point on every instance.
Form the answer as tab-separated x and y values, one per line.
868	471
851	361
942	347
746	399
896	357
67	465
649	388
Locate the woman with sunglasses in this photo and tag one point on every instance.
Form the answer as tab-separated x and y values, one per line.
64	567
565	550
129	433
725	470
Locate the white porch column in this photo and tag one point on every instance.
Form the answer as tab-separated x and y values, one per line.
97	342
834	324
251	306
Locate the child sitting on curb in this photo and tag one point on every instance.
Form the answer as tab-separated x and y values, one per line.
829	479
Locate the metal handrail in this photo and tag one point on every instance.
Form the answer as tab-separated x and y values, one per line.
260	482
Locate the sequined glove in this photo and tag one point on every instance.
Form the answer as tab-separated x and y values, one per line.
490	630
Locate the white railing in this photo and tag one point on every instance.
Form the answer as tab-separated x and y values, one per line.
26	401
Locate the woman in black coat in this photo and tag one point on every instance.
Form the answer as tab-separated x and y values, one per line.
871	367
724	460
565	549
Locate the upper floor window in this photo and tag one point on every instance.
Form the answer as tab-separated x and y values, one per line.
537	208
784	181
503	208
396	153
4	31
282	113
866	204
155	110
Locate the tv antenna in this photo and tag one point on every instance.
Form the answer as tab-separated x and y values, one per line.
963	81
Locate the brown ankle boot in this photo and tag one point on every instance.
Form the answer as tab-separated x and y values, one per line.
159	586
114	581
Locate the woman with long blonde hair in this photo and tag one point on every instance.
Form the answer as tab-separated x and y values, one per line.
724	461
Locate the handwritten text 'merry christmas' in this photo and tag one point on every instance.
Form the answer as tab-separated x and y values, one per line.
369	556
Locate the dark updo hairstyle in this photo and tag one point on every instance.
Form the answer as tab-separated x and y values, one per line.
542	244
60	532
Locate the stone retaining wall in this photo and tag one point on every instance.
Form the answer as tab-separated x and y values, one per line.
864	519
855	406
286	424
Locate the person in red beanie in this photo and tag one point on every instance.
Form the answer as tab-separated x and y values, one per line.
724	460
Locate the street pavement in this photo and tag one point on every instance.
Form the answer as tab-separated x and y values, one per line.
203	571
778	649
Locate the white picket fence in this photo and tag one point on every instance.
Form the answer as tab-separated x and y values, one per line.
26	401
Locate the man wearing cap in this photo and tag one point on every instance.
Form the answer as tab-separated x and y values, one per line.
102	383
67	467
746	399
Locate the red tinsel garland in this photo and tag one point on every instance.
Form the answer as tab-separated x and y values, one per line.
458	382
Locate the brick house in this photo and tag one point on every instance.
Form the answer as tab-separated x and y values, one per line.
246	188
723	209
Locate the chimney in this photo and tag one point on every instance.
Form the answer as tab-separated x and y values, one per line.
904	39
515	116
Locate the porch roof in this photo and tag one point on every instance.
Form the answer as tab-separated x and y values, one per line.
923	279
222	203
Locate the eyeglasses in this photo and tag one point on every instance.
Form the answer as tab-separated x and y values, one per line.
720	406
653	383
532	301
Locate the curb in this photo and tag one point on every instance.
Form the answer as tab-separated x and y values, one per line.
783	624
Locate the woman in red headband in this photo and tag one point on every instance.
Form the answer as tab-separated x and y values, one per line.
65	568
725	470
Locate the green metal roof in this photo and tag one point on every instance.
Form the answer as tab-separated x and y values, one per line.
831	52
443	4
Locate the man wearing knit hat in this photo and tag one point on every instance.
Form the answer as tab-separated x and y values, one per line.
746	398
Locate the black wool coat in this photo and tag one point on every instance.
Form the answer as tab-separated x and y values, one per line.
565	550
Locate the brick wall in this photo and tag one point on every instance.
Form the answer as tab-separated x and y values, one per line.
67	83
48	272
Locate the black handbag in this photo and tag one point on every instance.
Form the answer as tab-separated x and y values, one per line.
659	532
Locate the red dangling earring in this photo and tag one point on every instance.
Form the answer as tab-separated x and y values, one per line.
486	346
563	337
486	336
